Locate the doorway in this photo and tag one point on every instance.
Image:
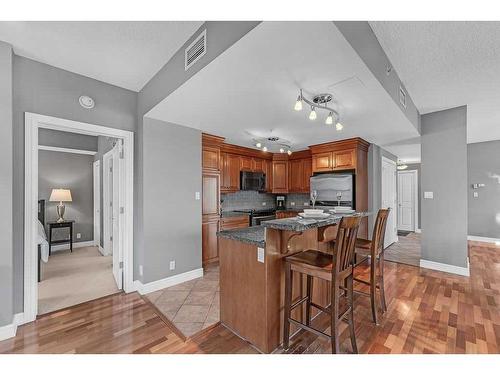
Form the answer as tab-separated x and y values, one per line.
123	220
389	199
408	201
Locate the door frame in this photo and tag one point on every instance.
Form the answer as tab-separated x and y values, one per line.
394	210
105	201
415	195
96	165
32	122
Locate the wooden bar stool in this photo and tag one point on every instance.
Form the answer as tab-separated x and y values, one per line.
336	268
374	250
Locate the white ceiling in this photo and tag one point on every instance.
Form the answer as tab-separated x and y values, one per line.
448	64
125	54
250	90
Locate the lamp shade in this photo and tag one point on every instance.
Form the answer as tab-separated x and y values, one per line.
60	195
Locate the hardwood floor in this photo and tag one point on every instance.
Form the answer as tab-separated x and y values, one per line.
428	312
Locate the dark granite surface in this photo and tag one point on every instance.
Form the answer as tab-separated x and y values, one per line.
251	235
299	224
233	214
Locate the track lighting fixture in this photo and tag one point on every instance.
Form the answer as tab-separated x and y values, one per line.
319	102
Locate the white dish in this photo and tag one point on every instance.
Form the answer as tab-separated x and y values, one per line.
310	211
320	215
343	211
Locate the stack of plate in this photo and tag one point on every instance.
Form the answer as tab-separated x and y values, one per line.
314	214
342	210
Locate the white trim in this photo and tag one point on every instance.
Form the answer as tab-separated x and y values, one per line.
167	282
101	250
463	271
106	230
415	198
394	209
76	245
96	187
484	239
418	230
68	150
9	330
32	123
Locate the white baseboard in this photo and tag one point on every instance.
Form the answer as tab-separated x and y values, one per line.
418	230
76	245
8	331
167	282
463	271
484	239
102	251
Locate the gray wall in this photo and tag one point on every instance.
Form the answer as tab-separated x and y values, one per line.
375	154
6	257
361	37
416	167
484	167
172	216
444	172
47	90
61	170
56	138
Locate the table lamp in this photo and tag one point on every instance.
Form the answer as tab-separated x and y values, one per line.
60	195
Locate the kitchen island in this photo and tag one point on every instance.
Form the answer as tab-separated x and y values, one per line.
252	277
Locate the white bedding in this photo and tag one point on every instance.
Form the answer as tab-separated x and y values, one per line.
42	241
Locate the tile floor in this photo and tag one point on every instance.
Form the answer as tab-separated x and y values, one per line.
191	306
406	250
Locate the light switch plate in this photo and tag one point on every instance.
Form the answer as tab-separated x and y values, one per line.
172	265
264	203
428	195
78	235
197	195
476	194
292	204
141	270
260	254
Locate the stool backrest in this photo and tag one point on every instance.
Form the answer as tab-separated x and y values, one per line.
378	235
345	243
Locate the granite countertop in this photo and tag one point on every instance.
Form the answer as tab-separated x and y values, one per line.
233	214
298	224
251	235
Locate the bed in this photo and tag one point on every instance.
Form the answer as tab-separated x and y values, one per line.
43	245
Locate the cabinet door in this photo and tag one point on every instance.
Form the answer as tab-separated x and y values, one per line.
210	194
306	184
258	165
322	162
211	158
296	172
280	176
224	171
344	159
233	162
269	175
246	163
210	251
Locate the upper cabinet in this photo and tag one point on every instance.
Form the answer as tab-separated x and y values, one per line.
300	171
246	163
230	172
334	160
211	158
258	165
322	162
280	176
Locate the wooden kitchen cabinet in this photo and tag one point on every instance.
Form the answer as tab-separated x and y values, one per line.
211	158
285	214
269	175
246	163
210	251
280	176
230	174
344	159
322	162
258	165
234	222
296	173
210	194
307	174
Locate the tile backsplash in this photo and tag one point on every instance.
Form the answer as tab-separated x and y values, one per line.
297	200
244	200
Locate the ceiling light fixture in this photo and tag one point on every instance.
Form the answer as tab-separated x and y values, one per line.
312	115
319	101
273	144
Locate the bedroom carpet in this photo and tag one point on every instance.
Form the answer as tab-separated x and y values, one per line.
72	278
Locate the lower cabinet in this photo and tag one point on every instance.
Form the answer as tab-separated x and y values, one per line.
286	214
234	222
210	251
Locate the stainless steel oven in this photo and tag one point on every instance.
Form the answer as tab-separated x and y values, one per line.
258	216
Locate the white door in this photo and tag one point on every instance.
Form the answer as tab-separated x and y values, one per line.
406	200
389	199
97	203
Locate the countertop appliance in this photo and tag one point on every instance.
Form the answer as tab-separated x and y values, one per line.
252	181
280	202
258	216
334	189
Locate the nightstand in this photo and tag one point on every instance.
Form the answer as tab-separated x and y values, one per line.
64	224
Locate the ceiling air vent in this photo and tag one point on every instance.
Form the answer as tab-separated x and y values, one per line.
196	50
